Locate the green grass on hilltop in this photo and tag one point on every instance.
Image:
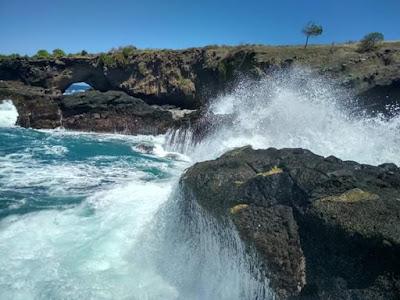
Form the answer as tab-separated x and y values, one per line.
122	56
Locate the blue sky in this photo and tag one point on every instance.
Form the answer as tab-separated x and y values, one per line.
28	25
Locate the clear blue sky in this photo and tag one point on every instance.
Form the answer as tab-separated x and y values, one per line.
29	25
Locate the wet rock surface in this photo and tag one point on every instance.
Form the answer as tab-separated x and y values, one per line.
113	112
323	228
37	107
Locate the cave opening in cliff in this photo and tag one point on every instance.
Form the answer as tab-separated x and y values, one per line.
77	87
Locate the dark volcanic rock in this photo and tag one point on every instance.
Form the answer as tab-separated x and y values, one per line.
324	228
113	112
274	233
37	107
89	111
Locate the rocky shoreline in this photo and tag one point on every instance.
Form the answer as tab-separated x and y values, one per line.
324	228
111	111
184	79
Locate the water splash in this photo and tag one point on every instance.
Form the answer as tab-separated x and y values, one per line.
179	140
201	257
8	113
297	108
87	216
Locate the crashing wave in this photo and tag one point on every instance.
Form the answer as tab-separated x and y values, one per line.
8	113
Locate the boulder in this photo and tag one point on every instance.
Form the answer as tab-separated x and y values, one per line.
113	112
322	228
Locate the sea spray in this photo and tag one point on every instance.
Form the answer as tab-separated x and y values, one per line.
87	216
200	254
8	113
297	108
180	140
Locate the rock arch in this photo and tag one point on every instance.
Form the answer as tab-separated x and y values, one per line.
85	71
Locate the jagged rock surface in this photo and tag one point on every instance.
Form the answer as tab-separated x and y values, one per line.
112	111
324	228
37	107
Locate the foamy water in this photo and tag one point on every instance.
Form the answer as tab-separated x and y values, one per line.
298	109
89	216
8	113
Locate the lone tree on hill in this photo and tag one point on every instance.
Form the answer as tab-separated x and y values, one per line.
370	41
311	29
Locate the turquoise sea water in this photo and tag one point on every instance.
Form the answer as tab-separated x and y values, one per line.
53	170
90	216
71	207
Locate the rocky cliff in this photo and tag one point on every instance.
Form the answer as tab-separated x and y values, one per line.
111	111
324	228
189	78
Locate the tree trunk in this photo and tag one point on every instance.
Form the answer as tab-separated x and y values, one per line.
305	46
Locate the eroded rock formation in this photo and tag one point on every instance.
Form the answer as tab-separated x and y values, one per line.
37	107
112	111
186	79
324	228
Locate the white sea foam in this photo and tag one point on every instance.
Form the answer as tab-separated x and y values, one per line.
8	113
122	242
83	252
299	109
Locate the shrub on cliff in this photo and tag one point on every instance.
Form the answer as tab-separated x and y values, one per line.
106	60
42	54
117	57
84	53
311	29
120	59
58	53
370	42
128	51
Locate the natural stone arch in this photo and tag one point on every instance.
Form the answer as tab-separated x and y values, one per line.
88	73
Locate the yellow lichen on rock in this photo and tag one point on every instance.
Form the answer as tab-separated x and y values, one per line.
238	182
351	196
237	208
273	171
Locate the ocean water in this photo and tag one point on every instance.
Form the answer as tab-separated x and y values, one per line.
101	216
90	216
